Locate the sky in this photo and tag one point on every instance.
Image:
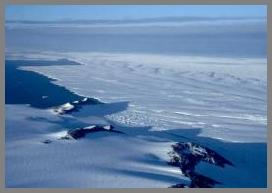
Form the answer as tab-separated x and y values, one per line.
89	12
214	30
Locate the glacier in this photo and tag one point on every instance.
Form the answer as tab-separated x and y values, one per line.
157	101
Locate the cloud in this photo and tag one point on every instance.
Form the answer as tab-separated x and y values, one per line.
245	36
150	26
179	20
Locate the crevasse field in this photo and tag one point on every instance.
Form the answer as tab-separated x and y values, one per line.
155	98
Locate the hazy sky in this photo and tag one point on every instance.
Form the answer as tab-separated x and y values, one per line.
226	30
63	12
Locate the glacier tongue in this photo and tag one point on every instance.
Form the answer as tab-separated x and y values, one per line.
225	97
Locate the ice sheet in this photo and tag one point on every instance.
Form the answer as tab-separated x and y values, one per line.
225	97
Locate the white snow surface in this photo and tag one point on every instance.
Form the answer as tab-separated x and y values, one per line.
100	160
224	97
63	108
156	101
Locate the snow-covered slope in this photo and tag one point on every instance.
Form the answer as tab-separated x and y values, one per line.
100	160
155	101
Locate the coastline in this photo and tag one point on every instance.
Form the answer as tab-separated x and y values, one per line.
140	135
36	89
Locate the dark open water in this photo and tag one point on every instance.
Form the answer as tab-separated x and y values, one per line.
26	87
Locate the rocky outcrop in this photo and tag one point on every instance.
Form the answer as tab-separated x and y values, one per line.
75	106
187	155
47	141
82	132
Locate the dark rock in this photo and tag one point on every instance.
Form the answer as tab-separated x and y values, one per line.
81	132
75	106
47	141
195	153
78	133
187	155
179	186
66	137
